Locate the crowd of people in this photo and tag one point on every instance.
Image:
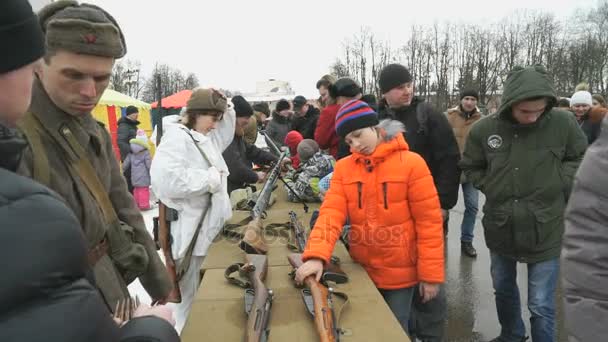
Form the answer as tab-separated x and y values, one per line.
387	173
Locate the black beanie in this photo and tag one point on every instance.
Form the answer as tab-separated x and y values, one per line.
242	107
131	110
20	34
392	76
345	87
282	105
469	92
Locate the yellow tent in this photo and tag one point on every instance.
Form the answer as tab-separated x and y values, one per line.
111	108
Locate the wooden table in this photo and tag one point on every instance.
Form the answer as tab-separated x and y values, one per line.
218	312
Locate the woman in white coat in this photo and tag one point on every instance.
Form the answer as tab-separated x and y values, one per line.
189	175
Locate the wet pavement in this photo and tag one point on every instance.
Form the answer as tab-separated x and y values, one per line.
471	307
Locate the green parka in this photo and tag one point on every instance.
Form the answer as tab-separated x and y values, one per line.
525	171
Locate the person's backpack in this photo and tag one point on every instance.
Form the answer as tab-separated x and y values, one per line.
422	116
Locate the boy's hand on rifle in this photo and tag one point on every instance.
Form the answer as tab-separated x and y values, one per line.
310	267
428	291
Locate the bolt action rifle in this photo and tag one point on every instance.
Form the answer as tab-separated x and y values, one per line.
162	223
318	300
332	271
253	238
258	298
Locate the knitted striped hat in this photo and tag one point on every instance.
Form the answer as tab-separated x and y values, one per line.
355	115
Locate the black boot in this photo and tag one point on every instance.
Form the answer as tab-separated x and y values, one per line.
468	249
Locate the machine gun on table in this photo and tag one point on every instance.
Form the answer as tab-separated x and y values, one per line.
332	271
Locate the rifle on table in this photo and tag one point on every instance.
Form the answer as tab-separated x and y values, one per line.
252	241
332	271
162	223
290	168
318	300
258	298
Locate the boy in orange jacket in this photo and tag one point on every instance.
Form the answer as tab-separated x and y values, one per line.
389	195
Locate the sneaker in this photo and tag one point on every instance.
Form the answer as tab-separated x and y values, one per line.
468	249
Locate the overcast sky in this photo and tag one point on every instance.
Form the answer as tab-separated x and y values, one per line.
233	44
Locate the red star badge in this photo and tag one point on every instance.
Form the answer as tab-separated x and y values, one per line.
90	38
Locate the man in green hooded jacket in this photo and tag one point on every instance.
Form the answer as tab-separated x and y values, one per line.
523	158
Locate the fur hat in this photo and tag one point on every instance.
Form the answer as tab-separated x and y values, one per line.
242	107
355	115
581	97
469	92
207	100
262	107
20	34
306	149
392	76
81	28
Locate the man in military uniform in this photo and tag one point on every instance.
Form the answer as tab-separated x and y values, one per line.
70	152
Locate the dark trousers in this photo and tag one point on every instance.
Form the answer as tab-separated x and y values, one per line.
400	303
127	174
427	320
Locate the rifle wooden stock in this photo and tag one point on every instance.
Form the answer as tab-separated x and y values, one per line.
164	239
323	312
253	238
259	316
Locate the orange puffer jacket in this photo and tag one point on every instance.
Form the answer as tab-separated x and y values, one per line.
396	224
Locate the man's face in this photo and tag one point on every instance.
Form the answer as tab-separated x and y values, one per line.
400	96
301	111
133	116
468	103
16	93
324	93
580	109
75	82
242	122
528	112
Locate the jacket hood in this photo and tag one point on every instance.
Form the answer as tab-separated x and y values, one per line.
397	144
526	83
138	145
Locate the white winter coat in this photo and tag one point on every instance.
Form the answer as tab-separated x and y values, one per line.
183	180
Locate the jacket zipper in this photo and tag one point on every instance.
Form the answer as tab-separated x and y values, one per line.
384	190
360	190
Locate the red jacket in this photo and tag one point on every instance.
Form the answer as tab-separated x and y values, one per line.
396	224
325	133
